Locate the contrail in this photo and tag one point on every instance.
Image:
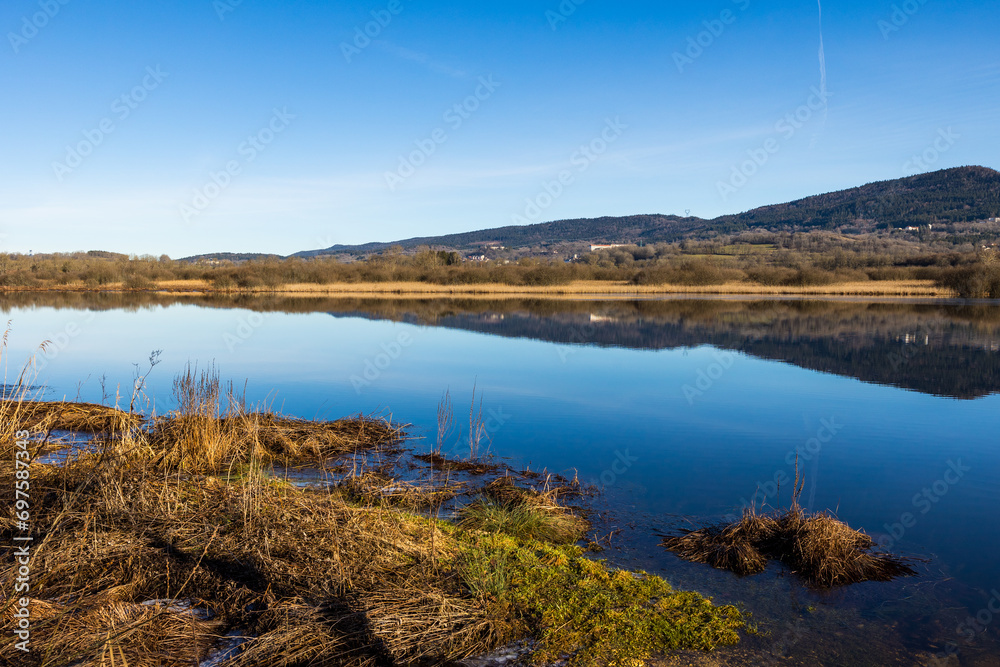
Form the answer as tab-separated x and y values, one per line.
822	76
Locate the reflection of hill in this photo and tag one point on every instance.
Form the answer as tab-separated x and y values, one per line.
942	349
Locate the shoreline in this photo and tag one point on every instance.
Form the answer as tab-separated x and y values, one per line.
576	289
192	496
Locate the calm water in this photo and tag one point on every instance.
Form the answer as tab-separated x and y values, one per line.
681	409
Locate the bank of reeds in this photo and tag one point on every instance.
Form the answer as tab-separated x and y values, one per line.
147	551
44	416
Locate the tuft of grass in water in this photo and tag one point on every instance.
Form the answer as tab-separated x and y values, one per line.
585	612
820	548
521	520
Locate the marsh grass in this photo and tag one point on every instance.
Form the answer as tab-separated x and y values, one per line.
209	433
548	524
818	547
180	510
376	488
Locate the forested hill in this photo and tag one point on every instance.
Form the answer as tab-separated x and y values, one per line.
588	230
962	194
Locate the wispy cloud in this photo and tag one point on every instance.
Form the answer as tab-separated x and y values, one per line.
422	59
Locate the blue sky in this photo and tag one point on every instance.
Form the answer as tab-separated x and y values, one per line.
245	125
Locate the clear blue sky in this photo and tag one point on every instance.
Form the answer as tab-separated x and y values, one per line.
227	70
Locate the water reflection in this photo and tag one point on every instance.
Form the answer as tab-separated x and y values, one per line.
949	349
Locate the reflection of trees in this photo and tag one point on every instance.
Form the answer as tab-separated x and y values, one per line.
935	348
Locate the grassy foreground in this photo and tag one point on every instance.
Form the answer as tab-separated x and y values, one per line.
168	533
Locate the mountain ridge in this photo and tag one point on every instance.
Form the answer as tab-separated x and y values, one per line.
959	194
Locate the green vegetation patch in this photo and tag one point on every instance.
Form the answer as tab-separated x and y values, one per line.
585	611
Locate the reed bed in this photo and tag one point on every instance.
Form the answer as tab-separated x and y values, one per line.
43	416
211	443
818	547
148	551
925	288
505	507
261	555
314	576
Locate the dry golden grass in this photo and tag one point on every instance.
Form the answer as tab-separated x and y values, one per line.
374	488
42	416
818	547
595	287
305	573
886	288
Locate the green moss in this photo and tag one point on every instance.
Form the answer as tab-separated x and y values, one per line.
581	608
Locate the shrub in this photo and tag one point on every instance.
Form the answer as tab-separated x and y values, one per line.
973	282
770	275
138	282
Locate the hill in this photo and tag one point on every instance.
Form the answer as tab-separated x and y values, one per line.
962	194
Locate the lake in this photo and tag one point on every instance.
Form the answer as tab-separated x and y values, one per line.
683	410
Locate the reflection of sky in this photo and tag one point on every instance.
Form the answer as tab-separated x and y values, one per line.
569	407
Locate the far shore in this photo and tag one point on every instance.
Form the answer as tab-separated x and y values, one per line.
888	288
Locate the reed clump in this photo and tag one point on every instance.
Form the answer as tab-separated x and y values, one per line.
44	416
817	546
209	432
